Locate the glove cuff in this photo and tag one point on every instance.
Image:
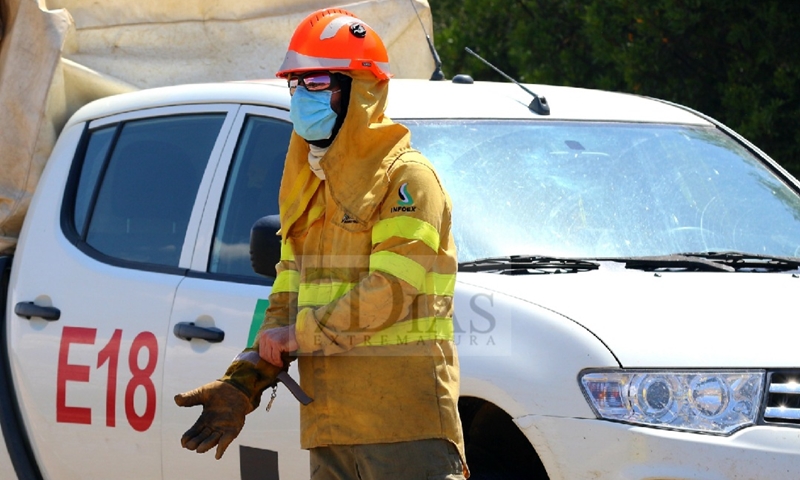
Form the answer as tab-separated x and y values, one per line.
251	375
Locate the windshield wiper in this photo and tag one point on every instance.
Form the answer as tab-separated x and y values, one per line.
709	262
528	264
670	262
742	261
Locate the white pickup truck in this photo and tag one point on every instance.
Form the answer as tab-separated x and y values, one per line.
626	304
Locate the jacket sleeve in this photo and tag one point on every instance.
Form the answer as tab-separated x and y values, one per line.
405	243
248	372
282	308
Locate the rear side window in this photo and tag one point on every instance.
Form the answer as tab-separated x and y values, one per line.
251	192
96	152
138	184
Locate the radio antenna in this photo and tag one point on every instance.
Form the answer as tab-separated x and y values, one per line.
437	73
538	104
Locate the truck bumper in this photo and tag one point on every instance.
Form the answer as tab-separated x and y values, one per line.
573	449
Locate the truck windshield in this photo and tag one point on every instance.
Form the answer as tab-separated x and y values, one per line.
579	189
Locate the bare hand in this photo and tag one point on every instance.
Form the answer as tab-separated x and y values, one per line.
273	342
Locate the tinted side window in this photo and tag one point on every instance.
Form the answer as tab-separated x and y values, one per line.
146	186
251	192
96	153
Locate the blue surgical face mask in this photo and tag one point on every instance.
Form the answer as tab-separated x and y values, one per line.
311	114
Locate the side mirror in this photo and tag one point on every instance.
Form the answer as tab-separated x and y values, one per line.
265	245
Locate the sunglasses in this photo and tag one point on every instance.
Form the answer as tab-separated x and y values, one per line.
312	81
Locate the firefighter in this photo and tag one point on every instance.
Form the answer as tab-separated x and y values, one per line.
364	291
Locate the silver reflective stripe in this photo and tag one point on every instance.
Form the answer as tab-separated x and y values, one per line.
337	23
296	61
384	66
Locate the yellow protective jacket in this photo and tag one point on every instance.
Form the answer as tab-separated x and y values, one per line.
367	274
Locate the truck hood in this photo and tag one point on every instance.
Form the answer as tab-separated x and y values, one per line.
671	319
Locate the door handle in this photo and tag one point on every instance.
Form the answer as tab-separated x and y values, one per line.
30	310
188	330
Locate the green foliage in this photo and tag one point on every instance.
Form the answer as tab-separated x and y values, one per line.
735	60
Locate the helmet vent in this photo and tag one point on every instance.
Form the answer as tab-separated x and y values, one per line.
324	13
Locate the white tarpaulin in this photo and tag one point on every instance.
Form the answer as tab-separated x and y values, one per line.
58	55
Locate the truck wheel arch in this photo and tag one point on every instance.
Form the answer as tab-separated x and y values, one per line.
495	447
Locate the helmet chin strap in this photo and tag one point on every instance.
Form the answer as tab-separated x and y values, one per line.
344	84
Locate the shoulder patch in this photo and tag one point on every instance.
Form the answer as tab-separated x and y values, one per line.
406	201
405	197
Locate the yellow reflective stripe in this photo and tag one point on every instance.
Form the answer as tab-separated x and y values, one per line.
286	281
286	252
440	284
318	294
411	331
406	227
401	267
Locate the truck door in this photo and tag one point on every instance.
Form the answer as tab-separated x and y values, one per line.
222	294
93	283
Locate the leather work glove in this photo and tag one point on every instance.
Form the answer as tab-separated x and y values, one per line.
226	402
224	408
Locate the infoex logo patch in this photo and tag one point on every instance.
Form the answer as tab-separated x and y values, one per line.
405	197
406	201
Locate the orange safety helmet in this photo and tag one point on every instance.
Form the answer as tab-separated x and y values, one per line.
321	42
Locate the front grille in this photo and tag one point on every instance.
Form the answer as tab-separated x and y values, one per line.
783	398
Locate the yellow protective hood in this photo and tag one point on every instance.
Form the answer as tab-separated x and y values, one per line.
355	164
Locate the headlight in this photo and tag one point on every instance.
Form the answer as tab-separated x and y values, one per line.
719	402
